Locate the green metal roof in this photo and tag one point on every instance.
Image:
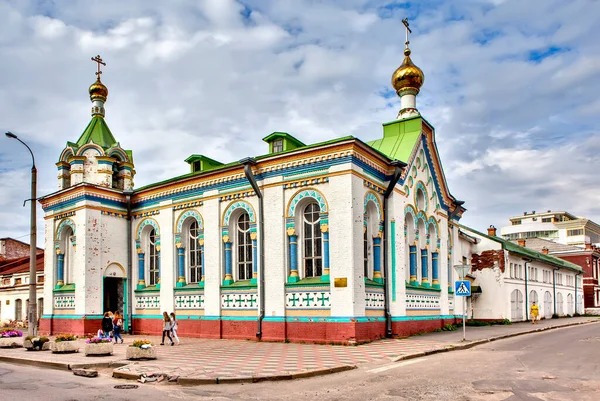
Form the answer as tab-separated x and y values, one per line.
98	132
399	138
528	252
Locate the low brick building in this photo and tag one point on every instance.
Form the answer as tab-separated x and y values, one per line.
14	281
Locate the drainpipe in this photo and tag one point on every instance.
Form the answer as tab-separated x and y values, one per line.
398	167
248	163
526	292
128	194
554	287
577	275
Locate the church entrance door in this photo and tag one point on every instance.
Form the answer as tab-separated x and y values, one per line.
115	292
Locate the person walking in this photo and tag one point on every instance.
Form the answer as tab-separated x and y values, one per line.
166	329
174	327
117	327
535	311
107	325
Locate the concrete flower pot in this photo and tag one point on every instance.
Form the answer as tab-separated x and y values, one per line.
134	353
11	342
65	346
99	349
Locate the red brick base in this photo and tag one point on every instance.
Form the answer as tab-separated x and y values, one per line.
309	332
80	327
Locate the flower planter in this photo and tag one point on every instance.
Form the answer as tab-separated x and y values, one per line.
11	342
134	353
65	346
99	349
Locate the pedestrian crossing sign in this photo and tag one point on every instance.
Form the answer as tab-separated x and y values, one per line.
462	288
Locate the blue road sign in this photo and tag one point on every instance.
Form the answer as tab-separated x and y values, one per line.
462	288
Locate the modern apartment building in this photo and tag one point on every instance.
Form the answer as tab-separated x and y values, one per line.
557	226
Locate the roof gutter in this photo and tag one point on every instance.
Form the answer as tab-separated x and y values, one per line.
248	163
398	168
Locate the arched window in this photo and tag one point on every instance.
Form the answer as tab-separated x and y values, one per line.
420	199
153	259
243	246
18	309
411	249
115	175
311	241
194	255
370	234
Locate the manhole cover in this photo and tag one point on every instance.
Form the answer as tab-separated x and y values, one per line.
126	386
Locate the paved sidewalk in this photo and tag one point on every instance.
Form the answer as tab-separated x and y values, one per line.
198	361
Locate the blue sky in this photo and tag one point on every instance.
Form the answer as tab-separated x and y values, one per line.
511	87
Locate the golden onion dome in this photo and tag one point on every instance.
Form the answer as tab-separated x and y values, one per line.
98	91
407	76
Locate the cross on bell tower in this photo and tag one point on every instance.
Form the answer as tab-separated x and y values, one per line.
98	60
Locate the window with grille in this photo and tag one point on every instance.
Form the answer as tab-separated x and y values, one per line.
244	247
278	146
153	267
312	241
194	254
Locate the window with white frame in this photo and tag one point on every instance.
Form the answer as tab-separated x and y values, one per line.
153	263
312	241
366	253
278	145
243	244
194	254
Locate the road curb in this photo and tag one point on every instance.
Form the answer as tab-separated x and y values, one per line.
471	344
31	362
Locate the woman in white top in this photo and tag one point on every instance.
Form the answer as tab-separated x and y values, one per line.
166	329
174	327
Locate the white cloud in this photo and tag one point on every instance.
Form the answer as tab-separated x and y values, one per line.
214	77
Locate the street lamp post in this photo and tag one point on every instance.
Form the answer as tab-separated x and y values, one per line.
462	271
32	312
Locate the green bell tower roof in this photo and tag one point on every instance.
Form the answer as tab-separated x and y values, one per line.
97	131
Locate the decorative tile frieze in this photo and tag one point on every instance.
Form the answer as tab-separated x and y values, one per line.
239	300
191	301
146	213
64	301
188	205
237	195
422	301
307	299
63	215
305	182
147	302
374	299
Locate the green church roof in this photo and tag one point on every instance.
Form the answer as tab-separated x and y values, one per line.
399	138
98	132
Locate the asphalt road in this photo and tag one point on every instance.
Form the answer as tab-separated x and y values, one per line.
560	364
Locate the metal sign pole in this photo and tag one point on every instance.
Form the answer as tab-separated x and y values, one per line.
464	325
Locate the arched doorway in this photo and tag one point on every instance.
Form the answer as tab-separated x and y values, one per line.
115	291
516	306
547	305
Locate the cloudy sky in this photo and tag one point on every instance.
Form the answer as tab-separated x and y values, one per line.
511	87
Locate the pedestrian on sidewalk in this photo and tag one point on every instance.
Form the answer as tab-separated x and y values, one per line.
107	325
166	329
174	327
117	327
535	311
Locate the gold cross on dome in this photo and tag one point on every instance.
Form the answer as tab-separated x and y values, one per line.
405	22
98	60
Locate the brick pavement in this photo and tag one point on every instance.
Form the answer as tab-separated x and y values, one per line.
209	359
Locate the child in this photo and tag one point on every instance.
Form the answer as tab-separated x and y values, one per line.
174	327
166	329
117	327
